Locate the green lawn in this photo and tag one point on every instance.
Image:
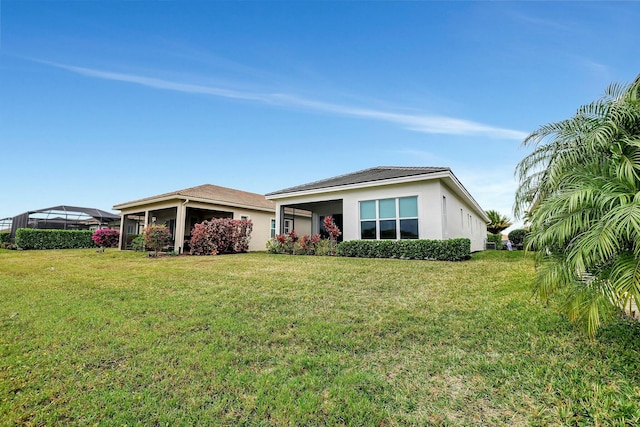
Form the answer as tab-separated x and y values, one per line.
257	339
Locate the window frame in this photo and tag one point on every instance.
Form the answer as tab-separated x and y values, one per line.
379	221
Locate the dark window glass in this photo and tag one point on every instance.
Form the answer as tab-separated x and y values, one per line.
368	229
388	229
408	228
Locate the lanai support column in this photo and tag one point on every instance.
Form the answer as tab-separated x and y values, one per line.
280	217
181	219
123	220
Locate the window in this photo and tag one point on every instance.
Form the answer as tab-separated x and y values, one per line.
395	218
273	227
244	217
288	225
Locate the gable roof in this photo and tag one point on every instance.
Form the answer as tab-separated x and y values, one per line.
378	173
209	193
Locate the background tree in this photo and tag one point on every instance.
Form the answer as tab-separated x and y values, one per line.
581	185
498	222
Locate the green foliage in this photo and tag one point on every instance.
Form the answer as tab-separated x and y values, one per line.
581	187
517	236
441	250
31	238
497	222
5	237
274	246
138	244
495	238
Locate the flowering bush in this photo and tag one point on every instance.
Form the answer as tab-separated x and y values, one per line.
221	235
156	237
106	238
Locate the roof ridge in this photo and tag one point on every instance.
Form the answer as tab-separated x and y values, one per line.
419	169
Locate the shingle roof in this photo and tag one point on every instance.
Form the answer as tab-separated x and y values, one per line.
378	173
213	193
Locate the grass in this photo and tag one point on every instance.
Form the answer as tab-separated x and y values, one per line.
257	339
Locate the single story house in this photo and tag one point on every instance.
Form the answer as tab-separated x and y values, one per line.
389	203
181	210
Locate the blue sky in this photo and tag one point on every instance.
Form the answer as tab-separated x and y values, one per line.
103	102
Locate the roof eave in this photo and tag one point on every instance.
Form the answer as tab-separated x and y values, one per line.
183	198
368	184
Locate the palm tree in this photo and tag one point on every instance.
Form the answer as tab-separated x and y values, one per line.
497	222
581	188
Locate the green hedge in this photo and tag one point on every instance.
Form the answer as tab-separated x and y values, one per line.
495	238
441	250
5	237
29	238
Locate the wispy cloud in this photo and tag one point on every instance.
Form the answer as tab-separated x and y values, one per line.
432	124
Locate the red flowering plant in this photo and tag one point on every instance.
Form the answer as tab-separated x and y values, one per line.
283	243
156	237
334	233
308	243
106	238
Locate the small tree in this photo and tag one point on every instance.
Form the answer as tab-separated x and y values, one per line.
106	238
334	233
517	236
156	237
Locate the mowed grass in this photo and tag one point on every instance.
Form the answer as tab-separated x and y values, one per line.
257	339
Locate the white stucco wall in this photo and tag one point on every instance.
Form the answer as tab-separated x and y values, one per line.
462	220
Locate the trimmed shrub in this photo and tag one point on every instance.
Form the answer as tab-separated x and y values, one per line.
5	237
221	236
30	238
441	250
106	238
495	238
517	236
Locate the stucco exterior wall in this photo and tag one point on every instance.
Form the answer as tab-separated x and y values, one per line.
461	220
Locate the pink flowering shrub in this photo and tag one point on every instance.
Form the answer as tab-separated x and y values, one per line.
156	237
106	238
221	235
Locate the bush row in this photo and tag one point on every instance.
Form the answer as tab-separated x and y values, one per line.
28	238
5	237
441	250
